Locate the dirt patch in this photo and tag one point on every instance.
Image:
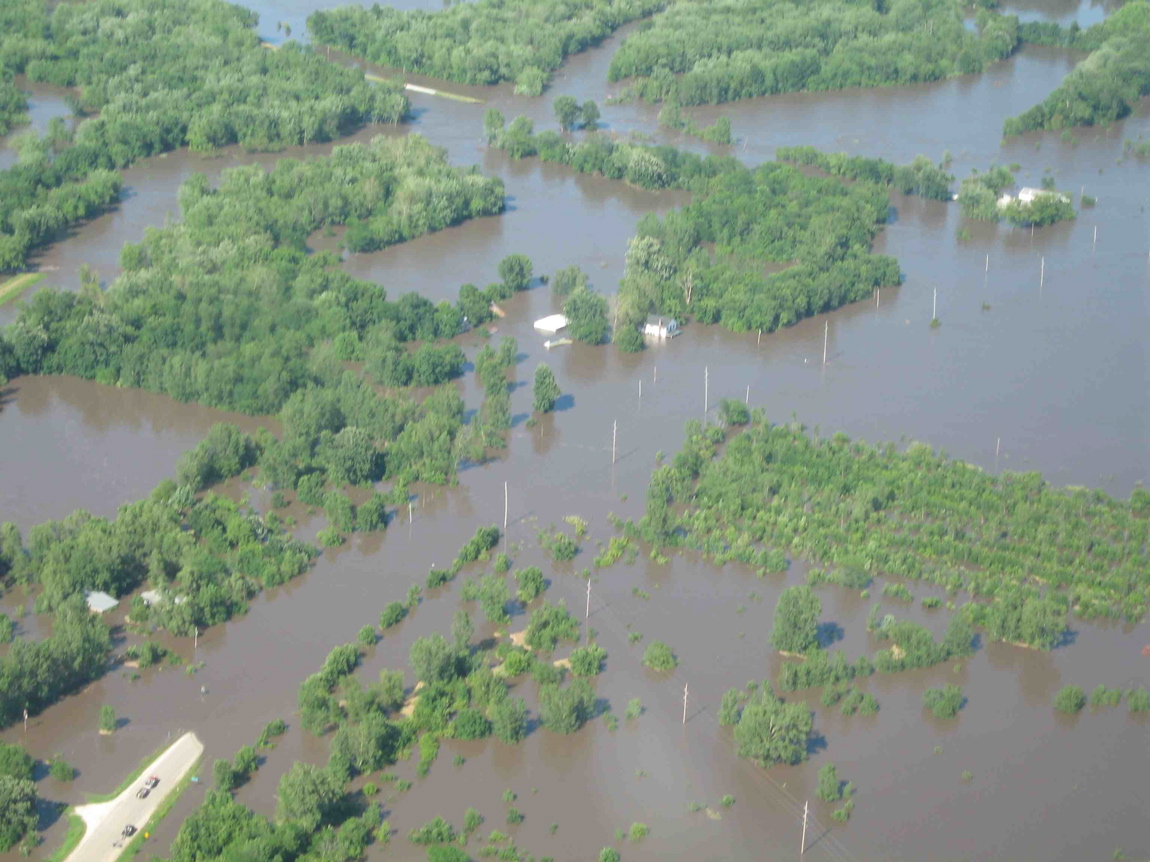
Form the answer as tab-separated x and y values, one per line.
412	699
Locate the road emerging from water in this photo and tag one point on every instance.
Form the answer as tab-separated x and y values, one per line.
105	821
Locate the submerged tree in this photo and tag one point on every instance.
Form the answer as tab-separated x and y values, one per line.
796	628
546	391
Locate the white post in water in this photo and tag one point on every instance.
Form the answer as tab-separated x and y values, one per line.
987	263
656	373
759	340
826	337
747	400
684	703
934	310
1096	234
505	509
588	614
25	719
803	846
1042	273
878	297
410	512
997	447
614	433
706	391
196	637
640	389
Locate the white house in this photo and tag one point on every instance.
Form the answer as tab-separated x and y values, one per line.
661	327
552	323
1029	194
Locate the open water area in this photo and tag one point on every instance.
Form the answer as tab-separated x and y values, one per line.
1053	375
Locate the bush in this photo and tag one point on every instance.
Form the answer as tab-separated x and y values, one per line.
107	719
634	708
629	340
830	788
1103	696
1138	699
366	636
609	854
1070	700
392	615
60	769
530	584
638	831
15	762
944	702
588	660
658	656
471	724
563	548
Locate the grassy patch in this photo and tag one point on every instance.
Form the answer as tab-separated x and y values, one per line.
135	773
17	284
73	837
137	842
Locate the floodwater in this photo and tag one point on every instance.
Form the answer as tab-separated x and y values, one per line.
1051	374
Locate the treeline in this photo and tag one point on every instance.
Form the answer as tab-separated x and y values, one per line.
12	104
818	228
1106	85
707	53
921	177
911	514
157	75
478	43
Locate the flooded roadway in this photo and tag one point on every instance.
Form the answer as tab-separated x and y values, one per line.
1056	372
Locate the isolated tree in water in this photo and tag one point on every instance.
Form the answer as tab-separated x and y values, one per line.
796	620
515	270
567	112
546	389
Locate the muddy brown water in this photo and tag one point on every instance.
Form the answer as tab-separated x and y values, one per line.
1056	371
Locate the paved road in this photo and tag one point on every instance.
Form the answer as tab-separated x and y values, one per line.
105	820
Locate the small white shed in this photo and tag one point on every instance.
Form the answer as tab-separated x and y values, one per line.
99	602
661	327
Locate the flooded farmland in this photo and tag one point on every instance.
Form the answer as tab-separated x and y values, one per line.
1021	375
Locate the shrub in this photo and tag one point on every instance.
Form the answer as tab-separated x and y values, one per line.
944	702
1138	699
830	788
471	724
107	719
563	548
634	708
588	660
392	615
1070	699
366	636
60	769
638	831
529	584
1103	696
658	656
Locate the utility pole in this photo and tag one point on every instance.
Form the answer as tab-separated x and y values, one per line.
656	373
1042	273
706	391
1096	234
410	512
803	846
759	340
747	400
505	508
196	637
826	338
587	615
614	432
684	703
25	719
877	297
934	312
987	263
640	389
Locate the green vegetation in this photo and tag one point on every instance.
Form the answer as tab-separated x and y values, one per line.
944	702
586	313
638	832
17	812
166	75
672	117
1138	700
588	660
830	789
565	710
137	843
478	43
796	628
15	761
548	625
1070	699
17	284
72	837
107	719
12	103
1103	696
60	769
910	514
545	391
771	731
1106	85
822	668
697	53
820	228
921	177
634	708
855	701
659	656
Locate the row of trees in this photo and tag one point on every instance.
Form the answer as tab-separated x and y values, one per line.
910	513
12	104
478	43
158	76
817	227
699	53
921	177
1106	85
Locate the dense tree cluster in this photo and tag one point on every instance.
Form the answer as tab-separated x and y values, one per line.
478	43
768	730
818	228
12	104
1106	85
909	513
723	50
980	193
158	75
921	177
226	308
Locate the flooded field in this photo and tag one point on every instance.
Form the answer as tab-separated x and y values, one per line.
1052	376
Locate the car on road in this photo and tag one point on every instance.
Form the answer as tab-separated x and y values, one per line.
152	782
128	831
143	792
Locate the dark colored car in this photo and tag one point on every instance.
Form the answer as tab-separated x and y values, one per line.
129	831
152	782
143	792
